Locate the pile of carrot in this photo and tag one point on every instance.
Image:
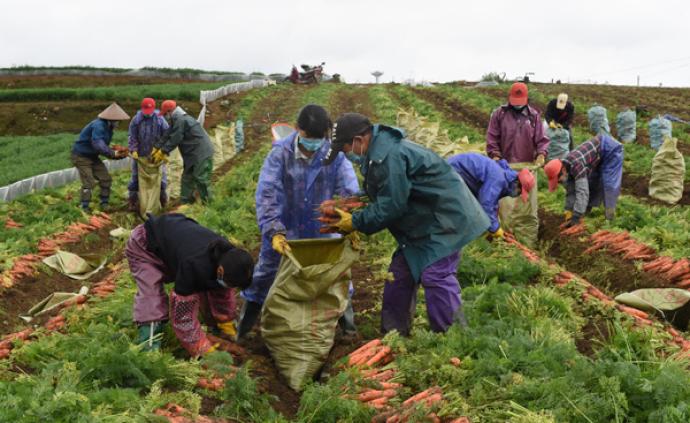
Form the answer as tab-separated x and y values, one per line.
7	342
573	230
371	354
55	323
330	216
529	254
24	266
227	346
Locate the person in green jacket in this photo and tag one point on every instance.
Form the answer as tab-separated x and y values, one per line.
426	206
195	147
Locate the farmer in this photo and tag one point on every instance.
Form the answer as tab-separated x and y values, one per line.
516	134
491	180
195	147
205	267
94	140
146	128
592	174
560	113
292	184
426	206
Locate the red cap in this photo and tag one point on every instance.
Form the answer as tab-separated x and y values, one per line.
167	106
518	94
527	182
148	105
553	170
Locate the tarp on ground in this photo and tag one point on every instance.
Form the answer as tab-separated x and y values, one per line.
74	266
301	311
51	302
672	304
668	173
429	134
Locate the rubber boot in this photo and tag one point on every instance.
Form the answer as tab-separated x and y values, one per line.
149	336
133	201
346	323
85	206
248	317
105	206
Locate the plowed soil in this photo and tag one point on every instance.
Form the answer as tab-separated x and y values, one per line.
453	109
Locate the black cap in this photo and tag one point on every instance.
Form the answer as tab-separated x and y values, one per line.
345	128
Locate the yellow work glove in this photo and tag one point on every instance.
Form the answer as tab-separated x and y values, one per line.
568	215
280	244
228	328
497	158
552	124
344	225
213	348
499	234
157	156
539	161
135	155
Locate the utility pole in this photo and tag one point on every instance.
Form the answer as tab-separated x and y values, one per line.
638	80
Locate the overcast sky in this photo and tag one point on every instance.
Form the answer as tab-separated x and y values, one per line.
603	41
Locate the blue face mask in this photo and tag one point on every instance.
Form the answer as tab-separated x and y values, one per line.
354	158
311	144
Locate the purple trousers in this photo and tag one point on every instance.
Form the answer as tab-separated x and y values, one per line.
150	273
441	290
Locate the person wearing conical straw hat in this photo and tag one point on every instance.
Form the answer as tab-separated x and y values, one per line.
94	141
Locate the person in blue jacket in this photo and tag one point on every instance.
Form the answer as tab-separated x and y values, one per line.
425	205
291	186
490	180
94	140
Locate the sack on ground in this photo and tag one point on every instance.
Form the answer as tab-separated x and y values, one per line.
625	125
301	311
559	147
150	176
660	128
668	173
598	120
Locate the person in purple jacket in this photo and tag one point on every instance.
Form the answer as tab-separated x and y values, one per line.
144	130
491	180
516	134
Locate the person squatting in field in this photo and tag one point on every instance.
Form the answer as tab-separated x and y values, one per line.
592	175
94	140
516	134
426	206
195	147
291	185
491	180
145	129
205	268
560	113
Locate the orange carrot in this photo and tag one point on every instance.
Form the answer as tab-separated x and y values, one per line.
369	395
378	356
378	402
371	344
420	396
390	385
4	353
384	376
455	361
633	311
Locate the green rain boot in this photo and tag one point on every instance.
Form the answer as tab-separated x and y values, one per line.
150	336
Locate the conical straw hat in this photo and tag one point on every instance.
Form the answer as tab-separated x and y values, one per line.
113	112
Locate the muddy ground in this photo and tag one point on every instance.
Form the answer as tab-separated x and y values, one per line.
455	110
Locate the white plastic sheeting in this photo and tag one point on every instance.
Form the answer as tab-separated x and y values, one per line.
206	97
53	179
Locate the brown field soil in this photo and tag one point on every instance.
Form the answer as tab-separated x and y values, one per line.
610	273
51	117
453	109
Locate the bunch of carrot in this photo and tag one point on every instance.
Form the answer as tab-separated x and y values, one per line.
529	254
227	346
7	342
620	243
177	414
11	224
427	398
573	230
330	216
371	354
105	287
55	323
676	271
